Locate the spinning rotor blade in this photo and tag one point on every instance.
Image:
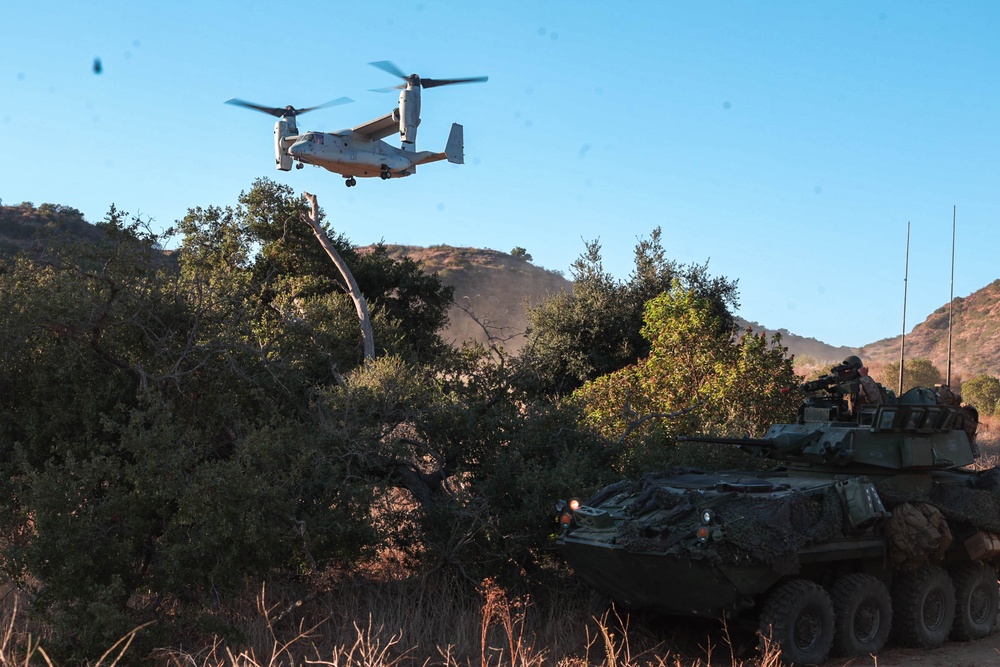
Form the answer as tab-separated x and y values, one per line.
289	110
389	67
431	83
415	79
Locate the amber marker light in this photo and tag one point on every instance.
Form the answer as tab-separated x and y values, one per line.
702	533
565	519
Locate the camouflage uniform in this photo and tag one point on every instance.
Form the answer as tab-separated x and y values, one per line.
968	416
869	390
946	396
859	389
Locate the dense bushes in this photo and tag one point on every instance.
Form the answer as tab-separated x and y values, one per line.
176	426
983	392
700	376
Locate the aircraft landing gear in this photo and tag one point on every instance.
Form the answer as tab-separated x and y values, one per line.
299	165
386	174
350	182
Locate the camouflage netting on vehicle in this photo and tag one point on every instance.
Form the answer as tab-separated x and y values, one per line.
767	529
917	534
773	529
978	507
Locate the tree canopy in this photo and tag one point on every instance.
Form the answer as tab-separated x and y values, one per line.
917	372
983	392
700	376
577	337
178	424
265	240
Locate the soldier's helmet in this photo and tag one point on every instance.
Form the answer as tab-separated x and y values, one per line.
854	362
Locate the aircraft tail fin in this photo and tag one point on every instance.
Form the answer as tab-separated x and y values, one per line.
454	151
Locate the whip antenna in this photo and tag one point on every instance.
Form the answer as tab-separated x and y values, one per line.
951	296
902	339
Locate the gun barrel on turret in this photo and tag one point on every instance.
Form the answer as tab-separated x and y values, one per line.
752	442
828	382
822	382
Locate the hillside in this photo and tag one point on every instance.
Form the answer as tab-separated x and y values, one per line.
975	337
496	285
24	226
806	349
491	289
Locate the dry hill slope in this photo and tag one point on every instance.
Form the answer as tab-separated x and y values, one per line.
975	337
805	349
24	226
494	286
490	286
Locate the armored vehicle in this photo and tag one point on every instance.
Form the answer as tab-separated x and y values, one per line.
871	524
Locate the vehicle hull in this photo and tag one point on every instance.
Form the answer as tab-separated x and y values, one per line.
660	582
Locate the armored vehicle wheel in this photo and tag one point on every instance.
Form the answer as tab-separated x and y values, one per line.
798	616
863	615
976	598
923	605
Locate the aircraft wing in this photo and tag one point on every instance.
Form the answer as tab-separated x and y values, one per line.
379	128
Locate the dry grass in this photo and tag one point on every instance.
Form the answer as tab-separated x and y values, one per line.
988	439
365	623
387	618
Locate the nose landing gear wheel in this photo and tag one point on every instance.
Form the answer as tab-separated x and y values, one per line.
350	182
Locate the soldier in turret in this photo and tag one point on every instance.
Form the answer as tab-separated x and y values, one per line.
849	384
869	388
858	387
968	416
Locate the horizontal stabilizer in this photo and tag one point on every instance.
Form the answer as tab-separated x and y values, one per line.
454	152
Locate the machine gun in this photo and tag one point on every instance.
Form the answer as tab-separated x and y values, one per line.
838	374
780	443
752	442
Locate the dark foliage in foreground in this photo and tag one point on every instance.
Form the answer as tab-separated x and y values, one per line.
176	425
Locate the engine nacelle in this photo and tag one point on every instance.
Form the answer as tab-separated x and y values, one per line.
283	129
409	115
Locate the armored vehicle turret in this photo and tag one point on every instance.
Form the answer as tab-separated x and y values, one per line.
871	524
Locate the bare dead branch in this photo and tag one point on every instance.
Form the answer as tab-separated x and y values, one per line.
354	291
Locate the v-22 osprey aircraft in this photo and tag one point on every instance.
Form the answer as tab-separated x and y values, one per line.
360	151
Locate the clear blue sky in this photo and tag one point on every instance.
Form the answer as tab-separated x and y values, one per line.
788	143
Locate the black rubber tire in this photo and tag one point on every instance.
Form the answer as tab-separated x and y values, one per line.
923	604
977	596
798	615
862	611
